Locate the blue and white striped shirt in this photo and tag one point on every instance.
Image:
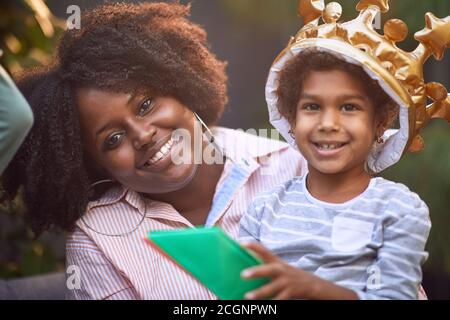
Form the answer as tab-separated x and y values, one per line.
372	244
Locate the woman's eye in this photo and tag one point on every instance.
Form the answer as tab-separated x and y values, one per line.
146	107
311	107
349	107
113	141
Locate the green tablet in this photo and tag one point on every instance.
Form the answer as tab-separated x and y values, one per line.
212	257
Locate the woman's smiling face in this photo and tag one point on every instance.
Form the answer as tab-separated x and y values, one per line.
130	138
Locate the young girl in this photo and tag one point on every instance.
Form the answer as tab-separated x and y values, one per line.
333	92
337	222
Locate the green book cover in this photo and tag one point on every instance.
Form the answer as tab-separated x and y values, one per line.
212	257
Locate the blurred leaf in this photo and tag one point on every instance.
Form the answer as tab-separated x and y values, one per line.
43	16
27	26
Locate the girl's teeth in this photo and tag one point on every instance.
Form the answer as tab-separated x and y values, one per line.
329	146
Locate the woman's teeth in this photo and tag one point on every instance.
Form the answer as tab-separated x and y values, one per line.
163	151
328	146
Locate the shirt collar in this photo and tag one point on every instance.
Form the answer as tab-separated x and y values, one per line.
116	194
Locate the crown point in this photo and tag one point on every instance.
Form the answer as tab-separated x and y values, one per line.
436	91
310	10
436	35
442	109
395	30
383	5
332	12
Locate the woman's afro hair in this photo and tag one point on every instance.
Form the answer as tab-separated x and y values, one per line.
120	48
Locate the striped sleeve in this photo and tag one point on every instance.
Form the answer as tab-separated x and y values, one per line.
100	280
399	260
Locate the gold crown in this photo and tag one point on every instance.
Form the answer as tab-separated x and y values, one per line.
401	70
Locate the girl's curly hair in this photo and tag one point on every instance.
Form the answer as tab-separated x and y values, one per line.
299	67
120	48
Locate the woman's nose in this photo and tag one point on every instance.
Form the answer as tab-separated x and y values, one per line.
142	134
329	120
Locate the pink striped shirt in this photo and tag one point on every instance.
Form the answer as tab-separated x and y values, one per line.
126	267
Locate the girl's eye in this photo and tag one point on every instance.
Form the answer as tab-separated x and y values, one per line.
146	107
349	107
311	107
113	141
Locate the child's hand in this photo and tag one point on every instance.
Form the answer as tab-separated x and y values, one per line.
289	282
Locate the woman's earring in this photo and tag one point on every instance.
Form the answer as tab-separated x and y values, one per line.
110	231
209	135
207	132
91	191
291	133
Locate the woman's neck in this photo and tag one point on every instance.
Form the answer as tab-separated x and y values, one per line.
339	187
195	199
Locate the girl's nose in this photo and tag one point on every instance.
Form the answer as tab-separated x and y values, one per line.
329	120
142	134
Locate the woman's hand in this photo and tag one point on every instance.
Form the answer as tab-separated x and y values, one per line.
289	282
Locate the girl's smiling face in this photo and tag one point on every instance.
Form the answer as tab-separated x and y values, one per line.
335	124
129	138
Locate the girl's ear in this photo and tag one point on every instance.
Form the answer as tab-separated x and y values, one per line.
381	123
292	129
292	124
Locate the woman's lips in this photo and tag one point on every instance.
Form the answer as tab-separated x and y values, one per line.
161	163
152	152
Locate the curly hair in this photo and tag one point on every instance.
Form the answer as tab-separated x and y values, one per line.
300	66
148	47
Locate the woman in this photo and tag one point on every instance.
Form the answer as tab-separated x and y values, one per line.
99	160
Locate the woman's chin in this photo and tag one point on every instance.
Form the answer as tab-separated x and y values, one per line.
182	175
176	177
